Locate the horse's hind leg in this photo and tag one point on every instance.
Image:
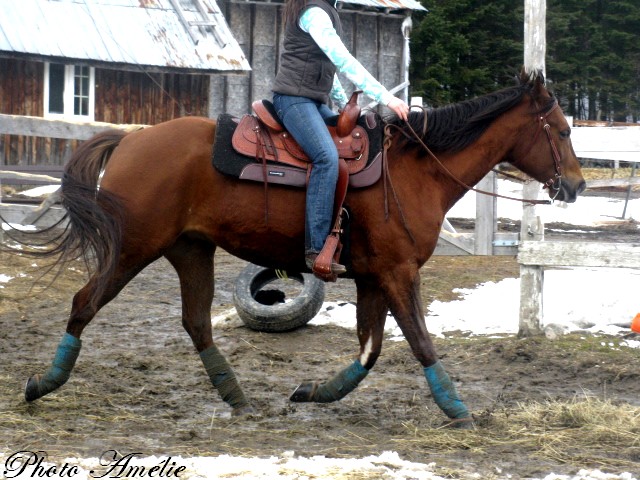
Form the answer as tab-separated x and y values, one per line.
193	260
82	312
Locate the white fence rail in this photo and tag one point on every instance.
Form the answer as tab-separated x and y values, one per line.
534	256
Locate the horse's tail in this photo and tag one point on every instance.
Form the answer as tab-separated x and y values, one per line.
93	218
94	231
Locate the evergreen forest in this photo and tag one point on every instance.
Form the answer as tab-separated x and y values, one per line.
464	48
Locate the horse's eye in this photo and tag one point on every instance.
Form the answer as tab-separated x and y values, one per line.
564	134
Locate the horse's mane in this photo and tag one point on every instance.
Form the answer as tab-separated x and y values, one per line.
456	126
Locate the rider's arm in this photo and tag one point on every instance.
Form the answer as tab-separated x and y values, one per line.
317	23
337	94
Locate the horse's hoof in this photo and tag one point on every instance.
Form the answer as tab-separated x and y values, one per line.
466	423
244	411
31	391
304	392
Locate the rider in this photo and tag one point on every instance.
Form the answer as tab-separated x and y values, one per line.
312	53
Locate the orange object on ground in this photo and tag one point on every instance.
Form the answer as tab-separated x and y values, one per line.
635	323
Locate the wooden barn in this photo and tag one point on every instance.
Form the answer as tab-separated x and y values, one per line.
376	32
148	61
115	61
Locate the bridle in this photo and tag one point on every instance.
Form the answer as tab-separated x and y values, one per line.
553	183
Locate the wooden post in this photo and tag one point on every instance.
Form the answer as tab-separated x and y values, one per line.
1	229
532	278
535	42
406	33
486	216
531	285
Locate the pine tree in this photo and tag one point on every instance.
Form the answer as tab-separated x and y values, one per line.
594	57
465	48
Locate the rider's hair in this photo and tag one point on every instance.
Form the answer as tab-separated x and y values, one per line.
292	10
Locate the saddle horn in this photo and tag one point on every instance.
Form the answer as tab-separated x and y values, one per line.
349	115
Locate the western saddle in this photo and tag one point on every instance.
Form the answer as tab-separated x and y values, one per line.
263	137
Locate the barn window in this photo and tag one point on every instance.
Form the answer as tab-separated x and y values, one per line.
69	91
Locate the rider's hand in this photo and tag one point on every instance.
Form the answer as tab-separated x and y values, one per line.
399	107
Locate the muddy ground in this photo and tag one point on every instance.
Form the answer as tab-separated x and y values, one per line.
139	385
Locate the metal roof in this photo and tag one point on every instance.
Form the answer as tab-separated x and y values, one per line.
157	34
387	4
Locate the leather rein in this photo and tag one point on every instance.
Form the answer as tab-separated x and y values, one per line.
553	183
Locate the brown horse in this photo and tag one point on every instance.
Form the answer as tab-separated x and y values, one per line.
159	196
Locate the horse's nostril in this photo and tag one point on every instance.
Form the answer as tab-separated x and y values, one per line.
582	187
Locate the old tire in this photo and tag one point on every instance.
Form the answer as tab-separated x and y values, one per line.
308	296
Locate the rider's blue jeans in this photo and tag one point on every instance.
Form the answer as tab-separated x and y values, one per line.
305	120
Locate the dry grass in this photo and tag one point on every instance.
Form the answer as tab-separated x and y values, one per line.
585	432
603	173
608	174
594	174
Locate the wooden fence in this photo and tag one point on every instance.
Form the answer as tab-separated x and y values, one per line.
37	173
42	127
534	256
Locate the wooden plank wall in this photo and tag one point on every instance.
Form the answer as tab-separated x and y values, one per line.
149	98
122	97
375	40
21	93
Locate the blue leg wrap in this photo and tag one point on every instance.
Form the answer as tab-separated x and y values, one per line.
63	362
340	385
222	377
444	392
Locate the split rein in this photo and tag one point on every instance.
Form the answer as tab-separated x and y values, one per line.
552	183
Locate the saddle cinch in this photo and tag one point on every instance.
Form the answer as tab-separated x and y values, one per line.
263	137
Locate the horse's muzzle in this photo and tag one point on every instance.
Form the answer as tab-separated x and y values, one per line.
569	191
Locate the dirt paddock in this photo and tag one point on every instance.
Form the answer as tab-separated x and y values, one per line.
139	385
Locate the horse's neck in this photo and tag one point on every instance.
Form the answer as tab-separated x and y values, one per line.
469	166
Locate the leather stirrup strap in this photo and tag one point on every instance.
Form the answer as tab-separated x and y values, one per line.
264	144
322	265
341	188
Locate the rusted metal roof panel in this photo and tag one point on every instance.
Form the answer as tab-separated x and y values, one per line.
388	4
147	33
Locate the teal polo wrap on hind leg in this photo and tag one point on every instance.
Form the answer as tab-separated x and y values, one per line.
222	377
340	385
444	392
64	361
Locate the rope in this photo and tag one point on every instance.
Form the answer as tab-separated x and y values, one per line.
444	169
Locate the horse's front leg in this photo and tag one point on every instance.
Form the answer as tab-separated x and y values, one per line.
403	292
371	313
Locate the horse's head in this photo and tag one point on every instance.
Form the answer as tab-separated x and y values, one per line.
544	150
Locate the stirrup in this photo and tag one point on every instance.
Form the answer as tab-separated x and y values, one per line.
335	268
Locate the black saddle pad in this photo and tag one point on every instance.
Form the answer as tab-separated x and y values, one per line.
229	162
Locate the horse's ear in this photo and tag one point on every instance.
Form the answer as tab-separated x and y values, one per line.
523	77
538	88
533	78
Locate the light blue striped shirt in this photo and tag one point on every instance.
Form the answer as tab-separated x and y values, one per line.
317	23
